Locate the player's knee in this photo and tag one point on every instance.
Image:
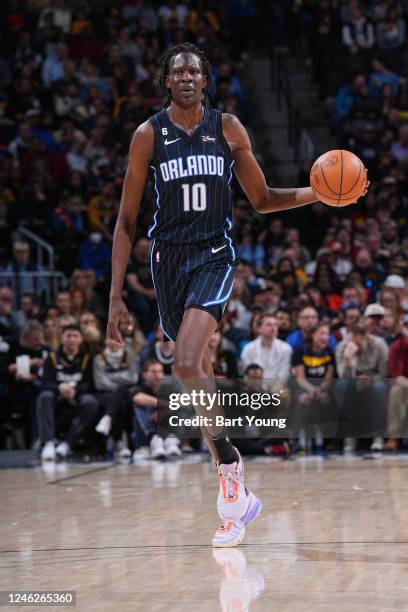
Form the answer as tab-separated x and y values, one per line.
184	368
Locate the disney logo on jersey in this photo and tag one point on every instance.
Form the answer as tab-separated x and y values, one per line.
208	138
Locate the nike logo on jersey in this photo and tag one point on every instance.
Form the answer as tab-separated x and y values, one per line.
167	142
207	138
218	249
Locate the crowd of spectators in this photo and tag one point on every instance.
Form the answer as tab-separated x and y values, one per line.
320	293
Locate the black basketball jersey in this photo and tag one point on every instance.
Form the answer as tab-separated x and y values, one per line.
191	176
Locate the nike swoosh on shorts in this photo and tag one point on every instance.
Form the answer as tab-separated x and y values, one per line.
218	249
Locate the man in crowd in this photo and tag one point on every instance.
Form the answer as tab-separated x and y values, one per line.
26	362
145	411
398	399
67	401
362	365
267	351
307	319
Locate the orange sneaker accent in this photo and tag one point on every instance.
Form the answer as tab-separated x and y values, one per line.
232	494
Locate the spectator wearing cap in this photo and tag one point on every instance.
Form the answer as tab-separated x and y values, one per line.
307	319
362	366
373	315
67	401
398	399
396	282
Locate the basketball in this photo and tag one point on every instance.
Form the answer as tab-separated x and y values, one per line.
338	177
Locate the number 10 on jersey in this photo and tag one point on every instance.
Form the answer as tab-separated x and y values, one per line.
194	197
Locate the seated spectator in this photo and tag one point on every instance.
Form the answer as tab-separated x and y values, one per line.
314	369
161	350
307	319
51	335
390	238
237	306
284	321
398	399
67	401
86	281
102	208
145	401
249	248
382	76
389	299
223	361
349	97
326	281
9	319
373	317
95	254
63	303
26	362
391	326
79	302
115	371
268	352
358	34
350	316
22	266
29	308
391	33
133	335
141	294
399	148
361	362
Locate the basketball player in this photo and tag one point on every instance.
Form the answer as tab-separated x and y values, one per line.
190	151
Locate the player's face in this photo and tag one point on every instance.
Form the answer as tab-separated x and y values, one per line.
186	80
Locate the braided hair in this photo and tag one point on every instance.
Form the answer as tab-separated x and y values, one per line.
164	69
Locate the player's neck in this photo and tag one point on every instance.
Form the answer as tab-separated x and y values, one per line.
186	118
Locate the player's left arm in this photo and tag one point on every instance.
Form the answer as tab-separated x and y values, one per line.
251	178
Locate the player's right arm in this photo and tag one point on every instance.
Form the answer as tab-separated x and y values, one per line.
140	155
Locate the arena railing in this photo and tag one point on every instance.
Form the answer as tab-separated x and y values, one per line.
44	284
42	247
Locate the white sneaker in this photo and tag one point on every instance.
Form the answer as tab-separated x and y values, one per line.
141	453
63	450
48	452
231	533
157	449
172	447
349	445
378	444
104	425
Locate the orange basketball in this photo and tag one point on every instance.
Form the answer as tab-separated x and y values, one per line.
338	177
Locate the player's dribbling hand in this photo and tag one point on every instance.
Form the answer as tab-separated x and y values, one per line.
117	313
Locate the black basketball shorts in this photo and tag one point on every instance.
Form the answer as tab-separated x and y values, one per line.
187	275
